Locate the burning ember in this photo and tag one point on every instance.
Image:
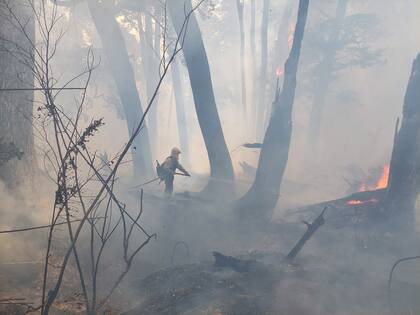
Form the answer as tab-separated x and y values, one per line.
382	182
360	202
279	72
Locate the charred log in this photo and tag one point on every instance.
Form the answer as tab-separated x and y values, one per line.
238	265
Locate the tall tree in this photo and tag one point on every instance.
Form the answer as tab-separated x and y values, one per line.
16	134
150	52
122	71
279	53
180	112
253	107
404	176
262	78
264	192
240	10
221	169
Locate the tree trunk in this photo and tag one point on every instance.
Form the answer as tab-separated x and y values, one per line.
404	176
221	169
253	108
240	9
262	79
324	77
264	192
180	113
150	54
143	64
16	107
122	71
279	53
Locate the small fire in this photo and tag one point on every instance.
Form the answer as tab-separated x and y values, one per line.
355	202
290	36
359	202
279	72
382	182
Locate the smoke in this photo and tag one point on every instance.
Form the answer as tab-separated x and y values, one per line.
340	275
22	253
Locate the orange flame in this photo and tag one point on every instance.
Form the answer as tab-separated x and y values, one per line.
359	202
382	182
354	202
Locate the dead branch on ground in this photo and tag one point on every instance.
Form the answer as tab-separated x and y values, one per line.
311	229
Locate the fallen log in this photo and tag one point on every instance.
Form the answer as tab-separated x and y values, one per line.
247	265
311	229
238	265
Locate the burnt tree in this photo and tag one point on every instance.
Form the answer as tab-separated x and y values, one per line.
264	192
221	170
278	53
404	175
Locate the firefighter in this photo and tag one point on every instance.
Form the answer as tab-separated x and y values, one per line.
169	167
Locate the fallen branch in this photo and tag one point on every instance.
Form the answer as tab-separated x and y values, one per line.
35	227
40	227
311	229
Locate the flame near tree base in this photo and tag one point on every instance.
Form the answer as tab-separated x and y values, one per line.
381	183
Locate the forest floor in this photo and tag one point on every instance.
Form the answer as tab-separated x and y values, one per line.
343	269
